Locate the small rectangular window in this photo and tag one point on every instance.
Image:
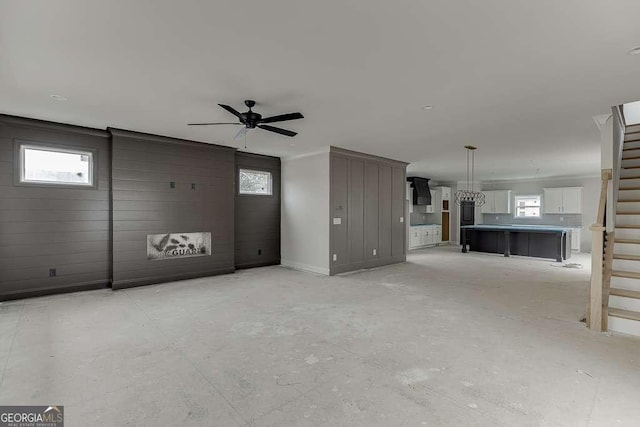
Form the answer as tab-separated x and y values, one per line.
255	182
528	206
59	166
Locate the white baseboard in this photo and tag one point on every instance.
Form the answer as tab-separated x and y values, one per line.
304	267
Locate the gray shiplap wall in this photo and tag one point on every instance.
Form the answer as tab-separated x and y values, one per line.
367	195
257	218
44	227
143	166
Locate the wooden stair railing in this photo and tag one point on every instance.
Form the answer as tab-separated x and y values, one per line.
601	262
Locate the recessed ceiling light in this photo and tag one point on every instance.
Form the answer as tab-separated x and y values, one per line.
634	51
59	97
427	107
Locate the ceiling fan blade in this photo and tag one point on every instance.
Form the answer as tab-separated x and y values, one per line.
232	111
282	118
209	124
241	133
278	130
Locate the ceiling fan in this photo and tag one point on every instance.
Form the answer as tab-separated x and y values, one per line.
251	120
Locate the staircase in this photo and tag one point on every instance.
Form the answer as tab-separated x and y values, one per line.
624	287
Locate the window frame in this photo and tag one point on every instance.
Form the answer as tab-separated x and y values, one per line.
257	171
527	196
19	164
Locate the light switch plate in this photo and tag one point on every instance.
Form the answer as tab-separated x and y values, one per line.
335	257
337	221
375	251
401	219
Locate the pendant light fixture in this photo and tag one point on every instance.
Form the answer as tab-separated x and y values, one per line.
469	195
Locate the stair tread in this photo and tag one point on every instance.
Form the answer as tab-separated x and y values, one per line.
626	257
627	274
629	201
625	314
630	158
633	241
629	188
628	213
624	293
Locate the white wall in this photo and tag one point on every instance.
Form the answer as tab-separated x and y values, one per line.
305	213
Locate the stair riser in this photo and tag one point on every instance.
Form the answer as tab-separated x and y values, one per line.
626	248
624	303
629	183
628	233
625	283
626	173
629	194
626	265
630	153
628	207
630	162
626	326
632	144
628	220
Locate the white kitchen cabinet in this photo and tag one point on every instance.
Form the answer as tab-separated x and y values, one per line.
575	239
424	235
437	234
431	207
563	200
415	237
497	201
445	193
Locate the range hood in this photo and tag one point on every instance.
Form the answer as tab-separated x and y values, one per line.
421	190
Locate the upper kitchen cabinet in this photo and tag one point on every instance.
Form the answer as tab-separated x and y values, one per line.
563	200
497	201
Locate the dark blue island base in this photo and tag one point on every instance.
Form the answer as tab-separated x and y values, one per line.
525	240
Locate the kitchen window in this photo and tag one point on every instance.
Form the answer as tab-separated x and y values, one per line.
528	206
255	182
51	165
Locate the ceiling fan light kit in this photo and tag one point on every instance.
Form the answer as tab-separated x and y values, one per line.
251	120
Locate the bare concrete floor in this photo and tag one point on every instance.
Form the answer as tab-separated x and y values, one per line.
445	339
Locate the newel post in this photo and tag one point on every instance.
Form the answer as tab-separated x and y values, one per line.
594	317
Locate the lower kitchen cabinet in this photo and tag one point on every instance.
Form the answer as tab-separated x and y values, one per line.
425	235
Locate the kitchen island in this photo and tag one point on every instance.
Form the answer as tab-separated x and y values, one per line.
540	241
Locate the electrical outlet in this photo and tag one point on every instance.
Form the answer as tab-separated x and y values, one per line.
375	251
52	272
172	184
561	218
335	257
337	221
497	217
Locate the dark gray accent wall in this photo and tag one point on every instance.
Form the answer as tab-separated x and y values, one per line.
367	211
47	227
143	166
257	217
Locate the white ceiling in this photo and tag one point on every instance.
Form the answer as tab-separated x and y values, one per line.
521	80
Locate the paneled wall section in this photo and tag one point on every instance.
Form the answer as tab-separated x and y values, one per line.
367	211
45	227
257	217
144	202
